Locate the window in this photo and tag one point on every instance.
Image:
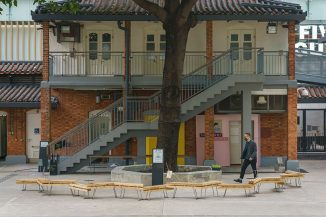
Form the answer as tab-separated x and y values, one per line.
93	42
106	46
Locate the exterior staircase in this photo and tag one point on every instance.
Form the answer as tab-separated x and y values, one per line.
123	119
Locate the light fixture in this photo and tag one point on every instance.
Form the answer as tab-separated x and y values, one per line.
271	28
303	91
120	108
98	99
261	100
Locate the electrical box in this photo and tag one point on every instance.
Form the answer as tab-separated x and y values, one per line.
68	32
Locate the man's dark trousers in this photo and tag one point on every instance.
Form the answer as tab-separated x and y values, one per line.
245	164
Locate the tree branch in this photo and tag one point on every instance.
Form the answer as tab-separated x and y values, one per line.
184	10
153	8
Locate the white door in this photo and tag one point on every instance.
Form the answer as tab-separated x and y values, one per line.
235	142
99	59
243	55
33	134
155	43
99	125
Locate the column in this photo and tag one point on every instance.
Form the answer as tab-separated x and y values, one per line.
209	113
246	112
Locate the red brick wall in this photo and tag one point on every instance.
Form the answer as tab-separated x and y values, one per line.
291	48
73	108
292	124
190	137
16	131
45	92
274	133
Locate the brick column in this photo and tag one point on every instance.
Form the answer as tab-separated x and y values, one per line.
45	91
292	96
209	113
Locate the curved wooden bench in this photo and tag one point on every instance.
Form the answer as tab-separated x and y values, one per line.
149	189
97	185
26	182
54	182
289	175
278	181
124	186
81	187
242	186
194	186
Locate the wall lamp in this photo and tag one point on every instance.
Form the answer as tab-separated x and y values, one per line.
303	91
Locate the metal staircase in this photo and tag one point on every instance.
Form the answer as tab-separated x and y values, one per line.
122	120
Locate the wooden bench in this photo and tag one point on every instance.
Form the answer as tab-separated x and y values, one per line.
54	182
278	181
124	186
289	175
245	187
194	186
81	187
26	182
97	185
149	189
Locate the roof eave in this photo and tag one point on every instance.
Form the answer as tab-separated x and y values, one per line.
143	17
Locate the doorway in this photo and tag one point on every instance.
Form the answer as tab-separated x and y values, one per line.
100	125
242	44
3	135
99	58
235	142
33	134
155	43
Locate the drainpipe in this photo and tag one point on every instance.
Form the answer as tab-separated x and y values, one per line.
126	29
127	64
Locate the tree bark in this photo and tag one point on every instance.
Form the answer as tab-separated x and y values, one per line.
170	108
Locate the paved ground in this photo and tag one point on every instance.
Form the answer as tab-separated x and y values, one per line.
310	200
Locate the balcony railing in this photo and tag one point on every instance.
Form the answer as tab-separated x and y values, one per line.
242	61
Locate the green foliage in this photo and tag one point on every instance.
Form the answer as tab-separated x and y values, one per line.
216	166
70	6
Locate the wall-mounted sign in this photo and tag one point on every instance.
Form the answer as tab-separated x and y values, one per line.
44	144
158	156
215	134
308	36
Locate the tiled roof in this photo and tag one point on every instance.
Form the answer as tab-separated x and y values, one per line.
20	67
19	93
315	92
202	7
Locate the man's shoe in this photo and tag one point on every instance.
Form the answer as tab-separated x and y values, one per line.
238	180
255	174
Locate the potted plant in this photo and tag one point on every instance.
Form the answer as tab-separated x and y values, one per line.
216	167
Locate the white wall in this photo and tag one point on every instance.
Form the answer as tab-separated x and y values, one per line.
270	42
20	41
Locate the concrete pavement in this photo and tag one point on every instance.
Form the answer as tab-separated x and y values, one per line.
309	200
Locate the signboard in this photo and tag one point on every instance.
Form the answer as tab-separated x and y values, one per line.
44	144
158	156
308	36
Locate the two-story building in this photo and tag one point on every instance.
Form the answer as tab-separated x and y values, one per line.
104	65
20	78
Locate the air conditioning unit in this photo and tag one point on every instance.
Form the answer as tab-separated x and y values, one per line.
68	32
105	96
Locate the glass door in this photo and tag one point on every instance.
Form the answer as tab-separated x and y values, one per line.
99	44
241	42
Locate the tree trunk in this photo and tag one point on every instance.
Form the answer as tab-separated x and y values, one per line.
169	120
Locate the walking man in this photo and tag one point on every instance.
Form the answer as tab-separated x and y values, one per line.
249	155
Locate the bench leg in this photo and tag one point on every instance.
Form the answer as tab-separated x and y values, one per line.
195	193
216	191
115	192
174	192
94	191
165	193
246	192
72	192
225	192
